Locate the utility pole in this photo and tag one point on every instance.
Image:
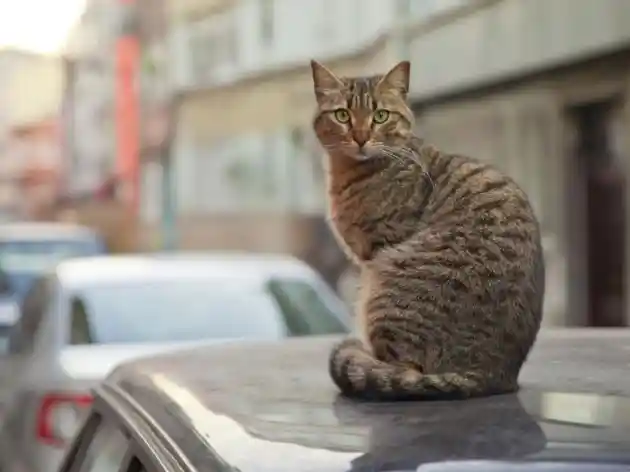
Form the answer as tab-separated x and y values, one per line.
68	112
159	104
169	209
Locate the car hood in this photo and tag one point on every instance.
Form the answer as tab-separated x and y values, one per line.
272	407
95	361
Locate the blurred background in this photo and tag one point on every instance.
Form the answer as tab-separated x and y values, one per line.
185	124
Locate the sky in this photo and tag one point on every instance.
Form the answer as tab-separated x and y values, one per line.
38	25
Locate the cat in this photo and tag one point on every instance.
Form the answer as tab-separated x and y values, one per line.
449	251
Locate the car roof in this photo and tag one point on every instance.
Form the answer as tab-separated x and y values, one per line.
110	269
271	406
44	231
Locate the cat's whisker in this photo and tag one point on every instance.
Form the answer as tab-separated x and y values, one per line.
396	154
410	156
338	147
413	156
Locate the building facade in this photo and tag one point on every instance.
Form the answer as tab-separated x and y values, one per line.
89	97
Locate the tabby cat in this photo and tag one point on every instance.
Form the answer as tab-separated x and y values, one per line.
452	271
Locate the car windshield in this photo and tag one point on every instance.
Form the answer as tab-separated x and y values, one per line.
172	311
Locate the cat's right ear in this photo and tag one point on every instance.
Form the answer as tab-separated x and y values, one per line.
324	81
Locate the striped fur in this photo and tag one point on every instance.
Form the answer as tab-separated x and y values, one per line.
452	273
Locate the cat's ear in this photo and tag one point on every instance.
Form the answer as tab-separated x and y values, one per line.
324	81
397	78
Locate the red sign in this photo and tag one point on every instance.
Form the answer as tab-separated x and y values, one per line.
127	116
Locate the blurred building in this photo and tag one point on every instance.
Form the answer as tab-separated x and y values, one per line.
35	148
156	113
30	153
89	105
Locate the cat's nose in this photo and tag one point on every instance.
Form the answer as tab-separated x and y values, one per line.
360	137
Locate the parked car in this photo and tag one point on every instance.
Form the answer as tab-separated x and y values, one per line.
29	249
91	314
266	407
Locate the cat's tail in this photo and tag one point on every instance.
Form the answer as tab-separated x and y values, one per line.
358	374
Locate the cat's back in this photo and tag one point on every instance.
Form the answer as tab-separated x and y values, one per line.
470	188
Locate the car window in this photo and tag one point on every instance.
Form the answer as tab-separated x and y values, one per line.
107	450
23	333
136	466
305	311
173	311
79	325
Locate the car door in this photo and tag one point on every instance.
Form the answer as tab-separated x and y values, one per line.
103	445
109	442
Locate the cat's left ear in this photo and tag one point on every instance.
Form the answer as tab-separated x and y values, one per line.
397	78
324	81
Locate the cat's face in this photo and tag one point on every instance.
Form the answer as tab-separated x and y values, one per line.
362	117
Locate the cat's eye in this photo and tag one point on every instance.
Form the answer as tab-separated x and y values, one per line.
342	115
380	116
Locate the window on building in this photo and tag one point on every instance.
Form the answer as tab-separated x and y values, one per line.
266	21
325	26
213	46
403	8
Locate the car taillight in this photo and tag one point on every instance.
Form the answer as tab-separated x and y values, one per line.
59	417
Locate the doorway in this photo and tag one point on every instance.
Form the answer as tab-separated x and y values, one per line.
601	213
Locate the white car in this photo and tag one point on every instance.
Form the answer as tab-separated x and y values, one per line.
93	313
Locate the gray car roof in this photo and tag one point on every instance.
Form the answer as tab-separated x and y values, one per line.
271	406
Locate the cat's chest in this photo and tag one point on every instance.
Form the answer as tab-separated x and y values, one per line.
371	210
375	220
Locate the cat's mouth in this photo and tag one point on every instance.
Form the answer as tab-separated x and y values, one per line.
365	153
361	156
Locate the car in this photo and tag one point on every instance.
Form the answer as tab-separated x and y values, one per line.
263	406
29	249
92	313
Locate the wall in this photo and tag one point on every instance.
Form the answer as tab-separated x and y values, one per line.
35	84
30	92
262	122
89	96
495	39
36	150
256	36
